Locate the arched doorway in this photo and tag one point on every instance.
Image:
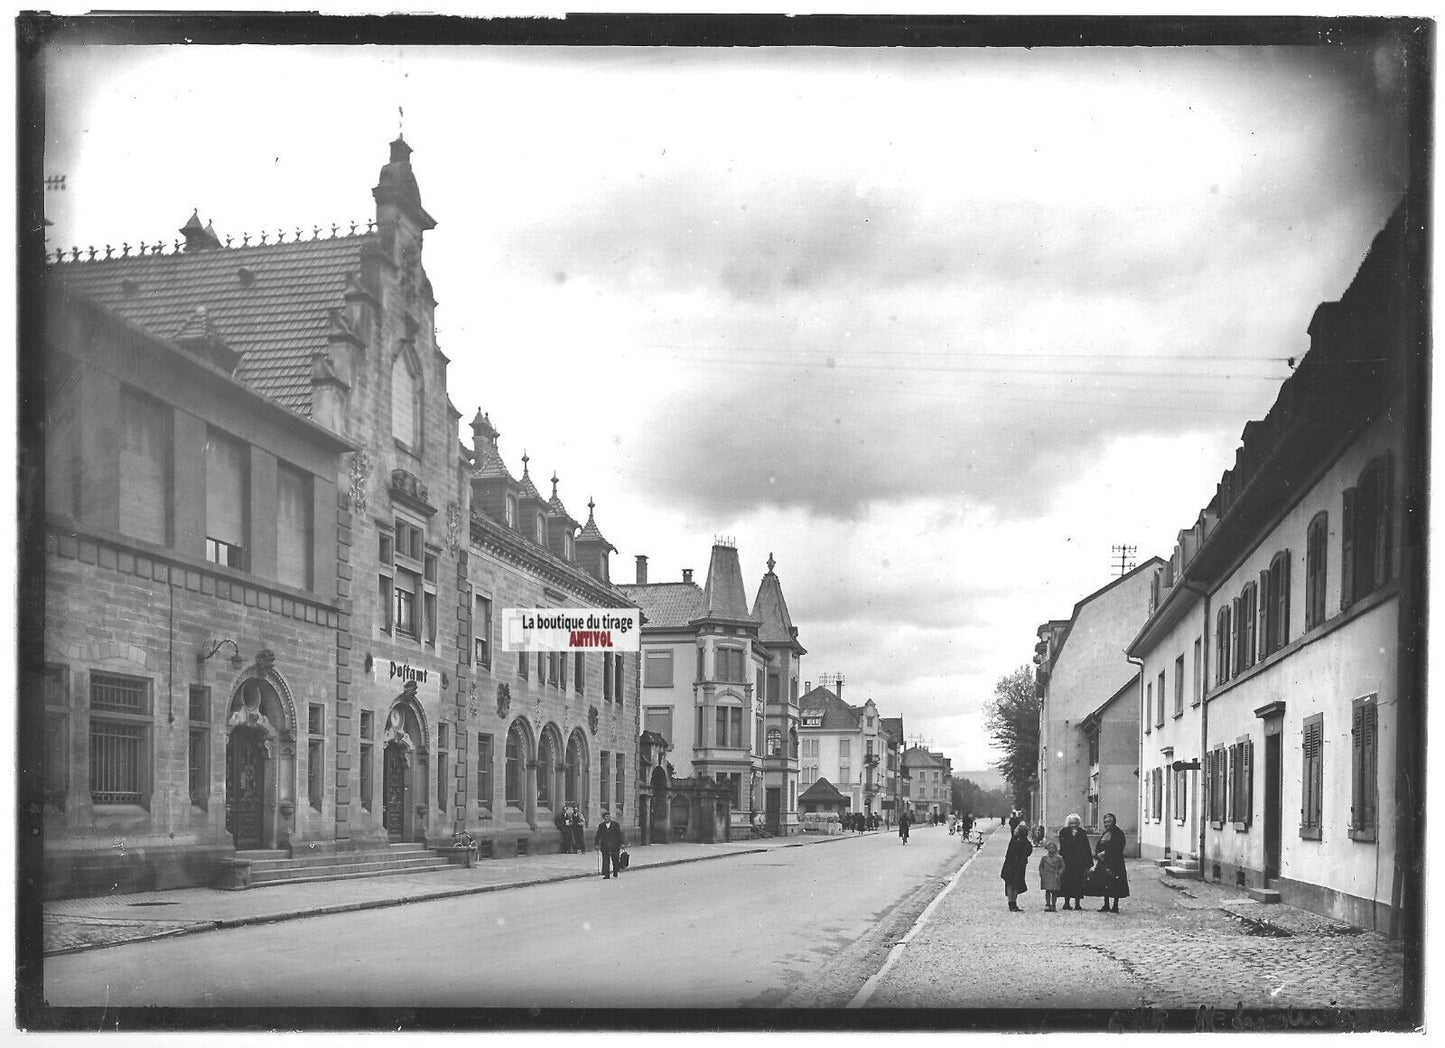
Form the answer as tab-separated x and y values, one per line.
404	770
575	784
549	769
260	762
659	806
520	794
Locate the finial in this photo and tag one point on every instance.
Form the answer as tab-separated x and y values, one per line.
334	228
75	254
400	122
228	239
554	483
60	254
124	249
315	232
108	250
353	227
178	247
771	562
370	224
263	236
590	505
298	234
92	254
280	236
525	460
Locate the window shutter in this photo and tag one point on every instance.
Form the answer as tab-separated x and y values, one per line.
1347	550
1383	530
1246	754
1368	724
1229	798
1236	626
1281	596
1357	771
1262	622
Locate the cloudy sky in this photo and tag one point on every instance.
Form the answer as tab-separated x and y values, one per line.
934	327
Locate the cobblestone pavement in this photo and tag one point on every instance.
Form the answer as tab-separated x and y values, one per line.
79	924
1173	945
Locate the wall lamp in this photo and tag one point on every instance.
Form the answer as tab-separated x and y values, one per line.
236	660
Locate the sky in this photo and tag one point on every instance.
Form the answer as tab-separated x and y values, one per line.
935	328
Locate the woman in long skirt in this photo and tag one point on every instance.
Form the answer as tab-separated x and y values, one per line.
1109	880
1078	857
1016	864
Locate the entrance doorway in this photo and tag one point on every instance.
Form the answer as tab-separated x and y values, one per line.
774	809
660	806
245	787
393	791
1272	813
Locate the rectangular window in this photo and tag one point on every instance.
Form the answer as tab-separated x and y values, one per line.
1363	769
429	613
482	624
383	592
404	603
1312	777
1198	693
617	693
774	688
227	471
552	668
607	676
605	761
1148	707
512	784
730	665
1222	640
1274	603
198	766
145	463
293	526
443	767
315	719
368	723
523	661
198	704
621	789
579	673
658	720
365	770
1160	722
315	748
657	669
484	772
120	754
1179	686
845	773
562	661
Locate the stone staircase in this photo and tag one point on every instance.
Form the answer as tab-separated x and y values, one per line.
1182	866
257	869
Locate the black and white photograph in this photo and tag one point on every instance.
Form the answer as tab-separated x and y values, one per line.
681	522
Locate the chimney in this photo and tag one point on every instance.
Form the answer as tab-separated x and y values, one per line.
838	686
807	686
641	570
686	574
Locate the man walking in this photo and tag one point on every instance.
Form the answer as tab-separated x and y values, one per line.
609	843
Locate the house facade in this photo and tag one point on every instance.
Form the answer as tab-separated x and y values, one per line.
930	777
782	714
1081	669
845	745
1310	582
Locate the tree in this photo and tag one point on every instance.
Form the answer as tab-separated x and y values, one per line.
969	796
1013	722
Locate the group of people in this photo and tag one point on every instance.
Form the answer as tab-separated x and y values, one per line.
572	825
1071	869
960	823
858	821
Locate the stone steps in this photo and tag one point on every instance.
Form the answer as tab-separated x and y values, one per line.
266	868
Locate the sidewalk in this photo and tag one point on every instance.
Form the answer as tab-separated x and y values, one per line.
71	925
1175	944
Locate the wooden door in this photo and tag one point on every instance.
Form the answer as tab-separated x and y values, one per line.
393	791
245	787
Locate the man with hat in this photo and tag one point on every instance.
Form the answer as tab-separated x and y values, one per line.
609	843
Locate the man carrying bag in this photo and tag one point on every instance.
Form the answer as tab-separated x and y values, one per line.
608	842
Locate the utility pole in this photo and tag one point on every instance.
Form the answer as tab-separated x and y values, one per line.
1124	556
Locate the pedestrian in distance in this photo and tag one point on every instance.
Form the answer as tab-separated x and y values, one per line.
1051	875
1016	864
578	826
903	823
608	843
1078	857
563	822
1109	880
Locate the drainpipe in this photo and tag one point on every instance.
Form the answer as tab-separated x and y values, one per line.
1203	709
1138	771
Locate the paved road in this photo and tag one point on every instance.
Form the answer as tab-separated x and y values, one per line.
804	926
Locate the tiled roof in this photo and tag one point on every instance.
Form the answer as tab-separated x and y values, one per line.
529	490
278	319
772	609
667	605
893	726
723	595
822	790
837	714
591	532
490	465
918	757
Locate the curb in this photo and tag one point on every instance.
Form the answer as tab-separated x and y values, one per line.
870	987
447	893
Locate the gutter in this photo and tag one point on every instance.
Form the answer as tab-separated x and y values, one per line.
1203	710
1144	715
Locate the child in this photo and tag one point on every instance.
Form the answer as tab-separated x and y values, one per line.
1051	875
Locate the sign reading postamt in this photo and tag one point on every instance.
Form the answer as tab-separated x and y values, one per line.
571	629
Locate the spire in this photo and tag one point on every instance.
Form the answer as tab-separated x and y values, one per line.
771	562
771	608
198	237
396	191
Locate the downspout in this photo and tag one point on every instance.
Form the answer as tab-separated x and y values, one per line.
1203	711
1139	770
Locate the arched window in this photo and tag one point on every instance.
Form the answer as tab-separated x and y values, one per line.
576	784
775	742
1367	534
406	399
516	763
1317	547
1244	631
1274	603
546	768
511	511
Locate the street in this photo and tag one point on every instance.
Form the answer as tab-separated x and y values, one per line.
746	931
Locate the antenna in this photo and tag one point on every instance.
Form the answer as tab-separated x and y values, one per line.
1124	555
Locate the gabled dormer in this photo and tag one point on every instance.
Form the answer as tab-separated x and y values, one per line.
531	508
593	549
495	492
561	528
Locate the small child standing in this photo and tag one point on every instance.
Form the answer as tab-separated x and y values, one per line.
1051	875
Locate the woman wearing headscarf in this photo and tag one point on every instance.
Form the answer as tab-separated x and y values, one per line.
1078	856
1109	879
1016	864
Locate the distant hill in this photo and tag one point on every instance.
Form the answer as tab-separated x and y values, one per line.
988	778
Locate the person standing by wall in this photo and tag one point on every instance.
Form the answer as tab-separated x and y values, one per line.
608	841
